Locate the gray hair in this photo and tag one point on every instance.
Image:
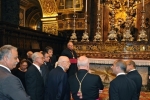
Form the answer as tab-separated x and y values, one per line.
35	55
121	64
82	61
6	51
62	59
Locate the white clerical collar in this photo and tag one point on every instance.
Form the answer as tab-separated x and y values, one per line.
37	67
5	67
120	74
132	70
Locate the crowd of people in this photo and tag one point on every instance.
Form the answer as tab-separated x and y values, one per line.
39	77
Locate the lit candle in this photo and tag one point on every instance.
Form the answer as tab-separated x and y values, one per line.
143	4
98	5
128	3
86	6
74	5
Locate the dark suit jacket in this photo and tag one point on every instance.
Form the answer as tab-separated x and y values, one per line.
57	87
20	75
136	77
73	67
91	85
11	87
29	61
122	88
53	60
51	63
45	71
34	83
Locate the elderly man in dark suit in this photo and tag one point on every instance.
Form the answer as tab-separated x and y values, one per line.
57	86
11	87
121	88
133	74
33	78
84	85
72	55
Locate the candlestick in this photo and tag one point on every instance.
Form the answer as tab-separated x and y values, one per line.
74	5
86	6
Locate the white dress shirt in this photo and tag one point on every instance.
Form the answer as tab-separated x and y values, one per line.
120	74
38	68
5	67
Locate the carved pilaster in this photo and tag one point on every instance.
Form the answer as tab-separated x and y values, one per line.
49	21
50	25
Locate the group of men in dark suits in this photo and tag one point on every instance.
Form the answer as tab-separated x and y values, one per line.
56	84
55	88
125	87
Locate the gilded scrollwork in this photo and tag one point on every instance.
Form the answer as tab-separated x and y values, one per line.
114	50
49	8
67	5
94	48
51	28
129	48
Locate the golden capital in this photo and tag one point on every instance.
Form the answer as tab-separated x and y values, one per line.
49	8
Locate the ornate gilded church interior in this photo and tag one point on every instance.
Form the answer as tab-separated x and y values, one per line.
100	29
81	21
110	28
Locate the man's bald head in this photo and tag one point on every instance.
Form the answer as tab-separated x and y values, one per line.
29	54
83	62
130	65
64	62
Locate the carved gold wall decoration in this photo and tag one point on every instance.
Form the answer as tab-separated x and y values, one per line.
49	21
67	5
49	8
114	50
122	14
148	48
51	28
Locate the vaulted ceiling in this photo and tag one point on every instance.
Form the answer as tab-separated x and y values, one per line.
33	12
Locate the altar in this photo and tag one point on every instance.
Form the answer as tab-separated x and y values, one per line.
102	67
